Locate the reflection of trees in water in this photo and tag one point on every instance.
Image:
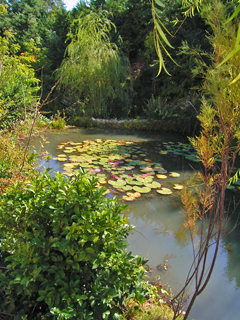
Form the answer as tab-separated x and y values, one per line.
231	241
231	244
163	215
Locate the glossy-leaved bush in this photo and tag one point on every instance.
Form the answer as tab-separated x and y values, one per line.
65	245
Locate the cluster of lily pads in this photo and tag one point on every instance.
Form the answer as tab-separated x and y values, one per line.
122	166
180	149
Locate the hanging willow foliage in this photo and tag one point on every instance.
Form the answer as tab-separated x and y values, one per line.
160	38
190	6
98	77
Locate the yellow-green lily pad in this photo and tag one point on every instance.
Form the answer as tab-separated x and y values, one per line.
161	176
141	189
174	174
164	191
177	186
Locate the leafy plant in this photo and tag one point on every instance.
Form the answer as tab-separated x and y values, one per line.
66	243
58	122
155	108
18	84
97	83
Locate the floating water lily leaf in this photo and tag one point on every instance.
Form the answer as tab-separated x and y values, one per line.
69	165
84	165
117	183
68	173
69	148
163	152
134	182
153	185
141	190
192	158
60	159
68	151
179	153
126	198
177	186
62	155
164	191
126	188
146	169
137	194
161	176
130	194
157	164
174	174
128	168
161	170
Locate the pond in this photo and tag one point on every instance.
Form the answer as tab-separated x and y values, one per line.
158	234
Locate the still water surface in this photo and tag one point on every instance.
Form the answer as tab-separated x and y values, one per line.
158	234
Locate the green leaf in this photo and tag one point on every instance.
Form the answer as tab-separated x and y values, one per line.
140	298
234	14
162	35
90	250
159	3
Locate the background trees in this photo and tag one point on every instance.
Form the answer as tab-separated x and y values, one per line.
98	81
125	59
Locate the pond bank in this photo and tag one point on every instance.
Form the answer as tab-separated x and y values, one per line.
149	125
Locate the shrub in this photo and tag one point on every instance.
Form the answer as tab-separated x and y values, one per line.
155	108
58	122
66	243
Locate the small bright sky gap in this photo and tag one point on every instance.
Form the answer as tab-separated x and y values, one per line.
70	4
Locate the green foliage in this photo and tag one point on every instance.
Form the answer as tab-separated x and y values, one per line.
155	108
97	82
179	116
237	43
67	244
58	122
11	157
18	84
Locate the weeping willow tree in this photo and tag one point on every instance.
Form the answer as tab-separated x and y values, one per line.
97	82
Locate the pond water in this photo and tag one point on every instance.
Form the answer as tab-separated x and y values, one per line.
158	233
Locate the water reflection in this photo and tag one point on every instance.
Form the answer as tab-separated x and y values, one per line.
159	234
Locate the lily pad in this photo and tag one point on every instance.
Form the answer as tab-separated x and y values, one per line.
174	174
161	176
164	191
117	183
126	198
126	188
137	194
153	185
60	159
141	190
68	151
69	165
177	186
134	182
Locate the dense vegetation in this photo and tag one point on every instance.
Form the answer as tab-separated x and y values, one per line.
111	41
100	60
